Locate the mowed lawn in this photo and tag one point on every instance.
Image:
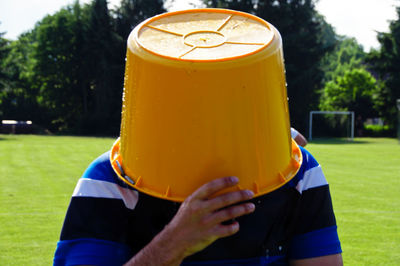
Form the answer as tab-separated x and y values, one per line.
364	178
38	175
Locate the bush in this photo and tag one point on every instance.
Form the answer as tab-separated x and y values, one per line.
379	131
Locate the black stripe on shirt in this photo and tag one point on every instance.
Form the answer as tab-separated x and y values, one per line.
314	210
101	218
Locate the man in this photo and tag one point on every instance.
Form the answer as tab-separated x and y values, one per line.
114	219
109	223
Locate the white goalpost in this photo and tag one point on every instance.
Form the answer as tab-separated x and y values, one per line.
335	113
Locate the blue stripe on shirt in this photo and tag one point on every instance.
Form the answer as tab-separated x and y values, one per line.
88	251
259	261
309	162
100	169
317	243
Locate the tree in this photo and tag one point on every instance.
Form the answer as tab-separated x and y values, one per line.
67	73
354	91
306	39
58	55
132	12
104	72
4	50
348	85
385	62
347	54
4	75
18	95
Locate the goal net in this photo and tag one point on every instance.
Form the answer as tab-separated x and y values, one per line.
326	124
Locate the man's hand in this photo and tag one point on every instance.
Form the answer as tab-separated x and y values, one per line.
199	220
197	223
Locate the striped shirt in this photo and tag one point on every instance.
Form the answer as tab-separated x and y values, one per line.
108	222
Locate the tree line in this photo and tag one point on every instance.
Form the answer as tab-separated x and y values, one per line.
66	74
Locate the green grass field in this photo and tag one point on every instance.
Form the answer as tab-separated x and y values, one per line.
38	175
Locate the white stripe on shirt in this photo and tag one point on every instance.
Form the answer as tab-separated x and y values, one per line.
87	187
312	178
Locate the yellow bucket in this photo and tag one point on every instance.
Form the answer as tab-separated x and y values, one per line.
204	97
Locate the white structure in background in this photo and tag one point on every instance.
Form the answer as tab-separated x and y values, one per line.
335	113
14	126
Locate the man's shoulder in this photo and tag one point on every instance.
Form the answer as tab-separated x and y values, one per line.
100	169
310	174
309	160
100	183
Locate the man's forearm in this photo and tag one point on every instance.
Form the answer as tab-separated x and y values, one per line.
330	260
160	251
198	222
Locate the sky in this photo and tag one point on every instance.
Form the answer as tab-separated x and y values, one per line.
354	18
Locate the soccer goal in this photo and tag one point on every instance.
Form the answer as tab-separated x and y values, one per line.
348	121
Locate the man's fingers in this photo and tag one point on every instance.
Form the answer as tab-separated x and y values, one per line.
226	230
228	199
229	213
214	186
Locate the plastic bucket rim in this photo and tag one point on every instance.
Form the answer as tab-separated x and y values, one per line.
117	165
